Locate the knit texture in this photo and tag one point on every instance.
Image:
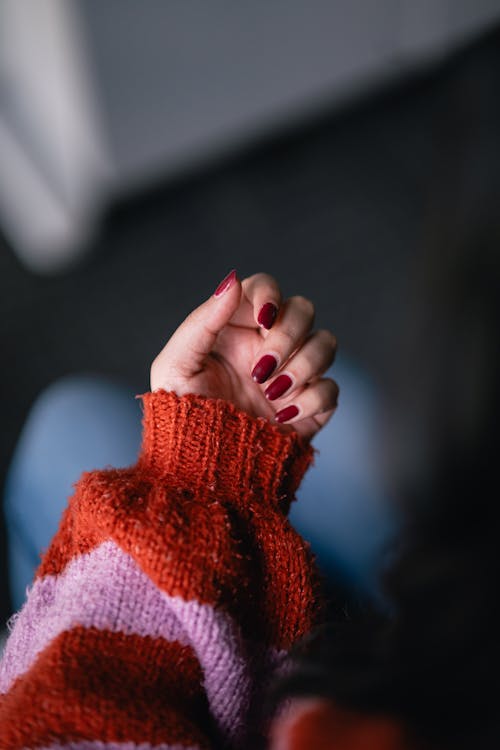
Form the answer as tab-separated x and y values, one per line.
325	727
170	595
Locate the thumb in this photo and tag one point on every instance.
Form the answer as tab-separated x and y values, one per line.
185	352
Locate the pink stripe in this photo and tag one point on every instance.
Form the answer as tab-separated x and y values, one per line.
106	589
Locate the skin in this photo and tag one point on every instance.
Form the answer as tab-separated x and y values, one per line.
214	351
284	734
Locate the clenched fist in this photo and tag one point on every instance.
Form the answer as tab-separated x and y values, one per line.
247	345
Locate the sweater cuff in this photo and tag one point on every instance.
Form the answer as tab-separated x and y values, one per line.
216	451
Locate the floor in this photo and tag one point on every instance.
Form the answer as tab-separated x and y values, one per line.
340	210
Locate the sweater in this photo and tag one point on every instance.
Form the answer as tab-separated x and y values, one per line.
171	593
170	596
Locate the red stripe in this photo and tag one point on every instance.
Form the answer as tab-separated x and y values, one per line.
249	560
319	724
97	685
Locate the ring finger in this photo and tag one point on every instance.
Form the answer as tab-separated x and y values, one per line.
317	398
310	361
292	327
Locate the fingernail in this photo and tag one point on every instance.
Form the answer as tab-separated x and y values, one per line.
226	283
267	315
264	368
278	387
289	412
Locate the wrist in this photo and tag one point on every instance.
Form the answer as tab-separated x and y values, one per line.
211	448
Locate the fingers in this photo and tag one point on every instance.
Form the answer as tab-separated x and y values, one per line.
260	303
289	359
292	327
193	341
310	361
264	295
317	400
308	428
292	354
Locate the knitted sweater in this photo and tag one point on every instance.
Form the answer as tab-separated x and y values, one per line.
169	596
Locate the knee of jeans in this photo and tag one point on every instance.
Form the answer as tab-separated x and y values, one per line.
73	392
66	403
63	422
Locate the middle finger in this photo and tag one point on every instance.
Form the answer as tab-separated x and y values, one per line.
294	323
311	360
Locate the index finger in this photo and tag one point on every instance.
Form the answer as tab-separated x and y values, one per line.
260	302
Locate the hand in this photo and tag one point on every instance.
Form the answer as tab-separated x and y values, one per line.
247	346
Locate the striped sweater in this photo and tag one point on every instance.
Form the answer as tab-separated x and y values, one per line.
170	595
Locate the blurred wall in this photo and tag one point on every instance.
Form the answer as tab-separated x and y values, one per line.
98	99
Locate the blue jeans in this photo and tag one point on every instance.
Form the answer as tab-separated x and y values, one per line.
78	424
82	423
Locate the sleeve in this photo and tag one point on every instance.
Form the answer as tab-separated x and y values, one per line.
170	595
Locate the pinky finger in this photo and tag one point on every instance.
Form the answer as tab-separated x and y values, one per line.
324	417
307	428
316	401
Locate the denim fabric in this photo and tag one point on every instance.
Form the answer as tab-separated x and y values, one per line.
77	424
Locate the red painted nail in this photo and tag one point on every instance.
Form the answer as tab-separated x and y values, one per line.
289	412
278	387
267	315
264	368
226	283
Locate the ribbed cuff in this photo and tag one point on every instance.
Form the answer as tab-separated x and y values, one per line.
214	450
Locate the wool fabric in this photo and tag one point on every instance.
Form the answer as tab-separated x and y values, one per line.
170	597
171	593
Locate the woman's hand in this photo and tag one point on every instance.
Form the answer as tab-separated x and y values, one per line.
247	346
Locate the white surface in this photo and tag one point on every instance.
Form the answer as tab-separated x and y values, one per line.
187	79
100	98
53	162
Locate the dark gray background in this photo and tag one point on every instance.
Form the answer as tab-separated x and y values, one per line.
339	210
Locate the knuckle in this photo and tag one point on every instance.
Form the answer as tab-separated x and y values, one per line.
266	278
305	305
260	279
328	338
249	282
288	338
332	391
